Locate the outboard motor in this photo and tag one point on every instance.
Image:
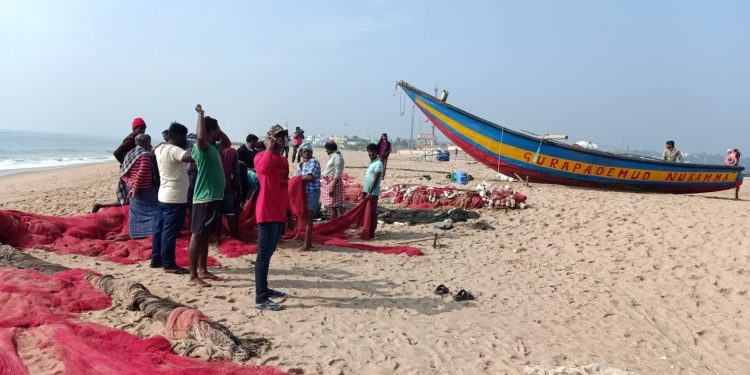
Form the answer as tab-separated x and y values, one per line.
732	158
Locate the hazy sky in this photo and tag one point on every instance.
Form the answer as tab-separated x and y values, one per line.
618	73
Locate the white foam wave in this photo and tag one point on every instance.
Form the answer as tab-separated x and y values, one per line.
15	164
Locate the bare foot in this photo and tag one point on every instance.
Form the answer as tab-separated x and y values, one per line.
303	248
198	282
209	276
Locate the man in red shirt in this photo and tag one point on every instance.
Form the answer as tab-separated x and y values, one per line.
270	213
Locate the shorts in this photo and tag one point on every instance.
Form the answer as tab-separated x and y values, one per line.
312	200
205	217
229	205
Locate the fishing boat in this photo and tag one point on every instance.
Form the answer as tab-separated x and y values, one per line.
545	160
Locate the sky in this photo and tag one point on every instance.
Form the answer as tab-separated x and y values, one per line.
622	74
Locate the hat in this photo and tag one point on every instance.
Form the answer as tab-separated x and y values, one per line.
276	130
306	146
138	122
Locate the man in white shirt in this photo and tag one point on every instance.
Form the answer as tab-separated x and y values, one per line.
173	191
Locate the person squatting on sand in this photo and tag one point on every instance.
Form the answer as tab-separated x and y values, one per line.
309	170
371	187
172	195
384	151
270	212
208	195
137	127
332	190
136	173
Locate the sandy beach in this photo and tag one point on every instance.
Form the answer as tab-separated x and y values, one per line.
649	283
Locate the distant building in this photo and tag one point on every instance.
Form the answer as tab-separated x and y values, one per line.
426	140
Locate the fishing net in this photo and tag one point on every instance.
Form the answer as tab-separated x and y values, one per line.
205	339
103	234
426	197
40	332
331	233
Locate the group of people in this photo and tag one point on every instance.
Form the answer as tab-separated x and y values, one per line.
202	176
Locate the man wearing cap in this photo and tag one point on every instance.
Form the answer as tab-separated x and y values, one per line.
207	196
309	171
672	154
332	189
139	127
270	212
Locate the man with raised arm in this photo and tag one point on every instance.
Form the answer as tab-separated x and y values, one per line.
207	196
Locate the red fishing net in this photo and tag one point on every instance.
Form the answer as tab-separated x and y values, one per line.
39	332
103	234
332	232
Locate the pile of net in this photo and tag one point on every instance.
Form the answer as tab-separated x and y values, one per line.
40	332
426	197
413	217
331	233
198	336
103	234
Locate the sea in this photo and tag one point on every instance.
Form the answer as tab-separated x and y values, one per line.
24	150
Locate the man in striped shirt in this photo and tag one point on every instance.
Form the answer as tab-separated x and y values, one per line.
137	173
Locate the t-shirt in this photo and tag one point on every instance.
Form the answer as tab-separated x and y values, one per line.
312	168
247	155
374	167
174	182
209	182
230	166
273	176
335	165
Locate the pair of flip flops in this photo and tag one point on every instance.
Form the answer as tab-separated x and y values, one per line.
462	294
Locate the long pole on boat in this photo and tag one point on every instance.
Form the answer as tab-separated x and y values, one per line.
411	138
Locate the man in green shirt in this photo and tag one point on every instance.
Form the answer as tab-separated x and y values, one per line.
207	196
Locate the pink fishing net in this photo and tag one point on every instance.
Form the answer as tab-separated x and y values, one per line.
38	324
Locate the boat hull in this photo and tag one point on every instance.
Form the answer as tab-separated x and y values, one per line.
543	161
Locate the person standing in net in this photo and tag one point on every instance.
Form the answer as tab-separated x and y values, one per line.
171	158
207	196
309	170
332	189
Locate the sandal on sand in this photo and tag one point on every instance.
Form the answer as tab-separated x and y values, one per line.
463	295
157	265
269	306
442	289
213	277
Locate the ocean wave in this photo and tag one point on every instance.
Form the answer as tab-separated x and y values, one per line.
14	164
